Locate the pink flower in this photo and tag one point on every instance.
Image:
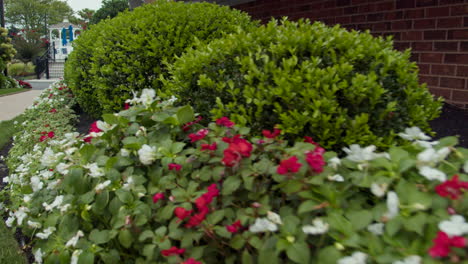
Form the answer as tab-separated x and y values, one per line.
51	134
191	261
213	146
53	110
224	121
175	166
173	251
268	134
289	165
158	197
235	227
443	242
182	213
315	161
452	188
199	135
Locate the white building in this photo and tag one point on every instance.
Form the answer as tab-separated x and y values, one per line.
57	33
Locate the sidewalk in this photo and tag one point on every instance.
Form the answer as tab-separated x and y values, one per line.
41	84
13	105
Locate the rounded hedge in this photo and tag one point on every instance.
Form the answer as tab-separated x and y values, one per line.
130	52
309	79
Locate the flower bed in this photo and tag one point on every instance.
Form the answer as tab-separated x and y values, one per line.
150	184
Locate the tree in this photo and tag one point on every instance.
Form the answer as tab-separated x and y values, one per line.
136	3
36	14
84	17
109	9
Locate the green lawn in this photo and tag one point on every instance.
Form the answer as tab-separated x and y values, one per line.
12	90
9	250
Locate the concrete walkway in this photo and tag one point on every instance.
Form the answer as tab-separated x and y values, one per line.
13	105
41	84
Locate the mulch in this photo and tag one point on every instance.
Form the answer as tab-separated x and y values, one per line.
452	121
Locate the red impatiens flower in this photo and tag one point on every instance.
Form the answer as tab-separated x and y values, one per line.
186	127
224	121
202	203
158	197
235	227
196	219
182	213
289	165
53	110
443	243
46	135
191	261
42	138
315	161
174	166
51	134
268	134
94	128
310	140
126	106
452	188
238	148
213	146
199	135
173	251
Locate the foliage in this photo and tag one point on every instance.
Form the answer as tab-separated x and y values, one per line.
7	52
29	45
109	9
20	69
149	189
309	79
10	252
130	52
33	14
84	17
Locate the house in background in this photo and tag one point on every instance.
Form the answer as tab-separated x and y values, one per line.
435	30
61	36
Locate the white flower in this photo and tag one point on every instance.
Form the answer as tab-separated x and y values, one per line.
336	177
274	217
53	184
379	190
102	186
49	158
456	226
36	183
62	168
46	233
74	240
46	174
432	174
34	224
465	167
38	255
409	260
20	214
147	154
6	179
376	229
357	258
393	205
9	221
64	208
360	155
70	151
141	131
147	96
431	155
56	203
129	184
94	170
318	227
425	144
124	152
334	162
263	225
414	133
76	254
104	126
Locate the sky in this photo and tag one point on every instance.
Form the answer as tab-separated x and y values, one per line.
77	5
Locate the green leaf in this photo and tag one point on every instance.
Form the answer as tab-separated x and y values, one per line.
185	114
237	242
215	217
147	234
101	200
299	253
125	238
416	223
124	196
393	226
360	219
292	186
340	223
230	185
148	250
86	257
328	255
246	257
87	152
307	206
99	236
268	256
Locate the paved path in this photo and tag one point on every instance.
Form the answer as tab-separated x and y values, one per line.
13	105
41	84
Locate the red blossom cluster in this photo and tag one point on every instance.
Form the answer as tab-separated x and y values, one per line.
92	129
186	127
224	121
268	134
315	159
443	243
46	135
157	197
174	166
24	84
235	227
199	135
53	110
173	251
201	203
213	146
238	148
289	165
452	188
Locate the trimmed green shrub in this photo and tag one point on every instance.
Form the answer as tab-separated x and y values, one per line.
340	87
7	52
130	52
149	189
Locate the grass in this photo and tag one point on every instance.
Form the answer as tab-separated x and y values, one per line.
11	90
9	250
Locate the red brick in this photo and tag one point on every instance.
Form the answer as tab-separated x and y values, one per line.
375	17
382	26
462	71
443	69
449	22
460	58
421	46
464	46
386	6
457	83
342	2
411	35
458	34
430	80
445	93
355	2
402	45
465	21
431	57
422	3
358	18
424	23
438	11
414	57
395	35
414	13
350	10
400	4
424	68
445	46
402	24
435	35
459	10
447	2
343	20
461	96
394	15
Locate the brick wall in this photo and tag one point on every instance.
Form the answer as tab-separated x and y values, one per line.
435	30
